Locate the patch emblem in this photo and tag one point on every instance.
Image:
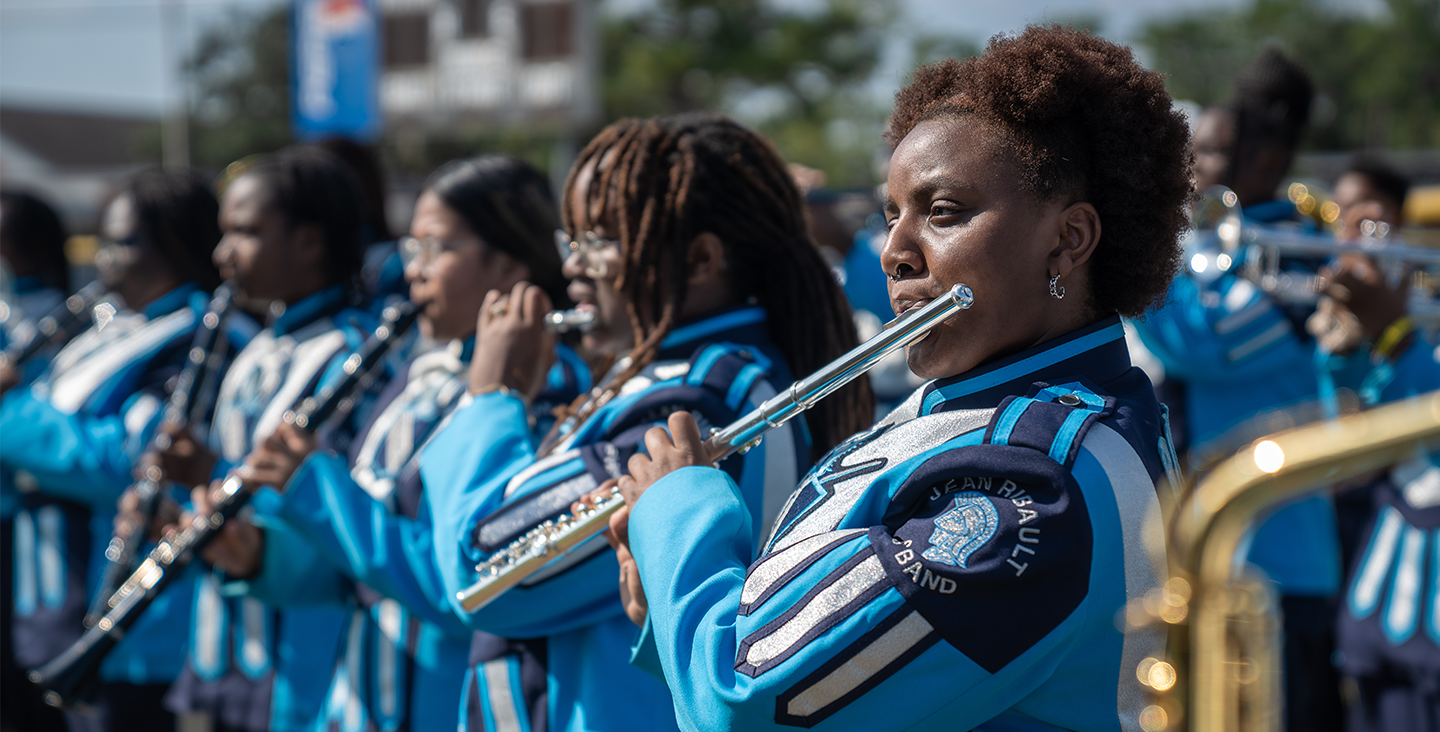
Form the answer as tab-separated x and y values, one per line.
963	529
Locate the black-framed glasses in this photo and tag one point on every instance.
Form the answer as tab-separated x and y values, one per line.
591	247
428	249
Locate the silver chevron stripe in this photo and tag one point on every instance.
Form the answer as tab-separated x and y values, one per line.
770	569
902	442
853	673
823	605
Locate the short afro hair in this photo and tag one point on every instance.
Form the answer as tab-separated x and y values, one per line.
1084	121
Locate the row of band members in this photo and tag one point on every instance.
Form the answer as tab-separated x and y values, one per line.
958	565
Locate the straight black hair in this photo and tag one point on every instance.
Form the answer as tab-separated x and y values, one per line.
34	234
308	185
509	205
177	211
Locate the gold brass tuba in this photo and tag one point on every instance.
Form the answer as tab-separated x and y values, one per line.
1223	670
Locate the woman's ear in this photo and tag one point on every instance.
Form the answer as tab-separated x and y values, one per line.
1079	232
706	260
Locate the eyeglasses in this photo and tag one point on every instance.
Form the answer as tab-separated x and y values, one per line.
424	251
591	247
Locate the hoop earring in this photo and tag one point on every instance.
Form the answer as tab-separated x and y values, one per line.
1056	292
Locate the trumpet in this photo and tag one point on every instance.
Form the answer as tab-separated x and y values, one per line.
1257	252
60	325
553	539
71	676
565	321
200	366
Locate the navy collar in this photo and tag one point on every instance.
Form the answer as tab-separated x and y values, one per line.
1096	352
328	301
745	324
170	301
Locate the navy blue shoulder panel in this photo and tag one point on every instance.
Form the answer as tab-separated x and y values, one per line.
1050	418
715	372
1003	522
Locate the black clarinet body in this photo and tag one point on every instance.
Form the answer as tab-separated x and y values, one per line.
123	552
73	675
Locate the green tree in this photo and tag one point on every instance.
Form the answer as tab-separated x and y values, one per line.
1377	77
797	75
239	74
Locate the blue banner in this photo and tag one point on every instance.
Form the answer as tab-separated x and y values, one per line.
335	69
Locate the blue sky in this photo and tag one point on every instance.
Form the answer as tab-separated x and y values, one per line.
112	55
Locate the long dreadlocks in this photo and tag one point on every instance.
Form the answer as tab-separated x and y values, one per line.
667	180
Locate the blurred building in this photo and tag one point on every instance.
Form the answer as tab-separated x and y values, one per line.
75	160
456	65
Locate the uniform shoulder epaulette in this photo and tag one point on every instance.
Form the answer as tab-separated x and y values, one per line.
1050	418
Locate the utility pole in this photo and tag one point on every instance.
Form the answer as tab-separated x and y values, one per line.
175	126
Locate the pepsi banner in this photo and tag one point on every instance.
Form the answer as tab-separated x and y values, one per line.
335	69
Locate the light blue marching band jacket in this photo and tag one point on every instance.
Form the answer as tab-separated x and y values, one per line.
21	308
73	438
1389	630
486	486
20	312
1239	353
250	665
959	566
405	653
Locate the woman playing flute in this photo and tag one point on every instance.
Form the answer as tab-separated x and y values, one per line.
961	564
687	242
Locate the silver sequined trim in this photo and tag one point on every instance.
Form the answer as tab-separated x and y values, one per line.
769	570
855	672
853	584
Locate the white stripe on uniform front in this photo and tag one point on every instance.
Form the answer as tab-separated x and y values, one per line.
1266	337
1142	535
769	570
500	695
25	581
1365	594
354	709
1232	322
209	617
70	390
390	622
253	653
824	604
859	669
780	468
1403	611
50	554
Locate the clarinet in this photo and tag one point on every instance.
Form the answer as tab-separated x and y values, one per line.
73	675
124	549
60	325
555	538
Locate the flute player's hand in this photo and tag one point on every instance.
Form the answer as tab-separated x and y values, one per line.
681	447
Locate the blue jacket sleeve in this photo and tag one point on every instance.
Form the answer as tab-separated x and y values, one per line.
292	572
391	553
466	469
803	634
80	457
1222	330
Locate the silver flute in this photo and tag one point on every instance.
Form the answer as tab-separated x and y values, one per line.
553	539
564	321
